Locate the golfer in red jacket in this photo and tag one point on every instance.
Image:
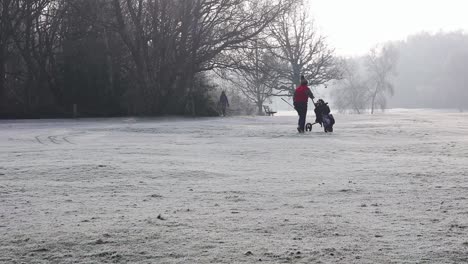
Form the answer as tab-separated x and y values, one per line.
301	96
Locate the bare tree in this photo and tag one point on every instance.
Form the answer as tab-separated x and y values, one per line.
304	49
351	93
171	41
32	34
4	36
254	72
381	63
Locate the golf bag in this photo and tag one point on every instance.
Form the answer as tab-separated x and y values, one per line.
323	116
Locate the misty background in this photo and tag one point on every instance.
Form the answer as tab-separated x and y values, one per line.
159	57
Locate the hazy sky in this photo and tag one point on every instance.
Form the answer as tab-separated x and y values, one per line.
354	26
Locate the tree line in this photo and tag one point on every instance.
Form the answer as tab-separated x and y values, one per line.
432	71
367	81
424	71
156	57
151	57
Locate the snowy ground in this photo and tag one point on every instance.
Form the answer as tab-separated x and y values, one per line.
389	188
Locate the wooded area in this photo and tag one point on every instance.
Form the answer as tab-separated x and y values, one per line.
145	57
115	57
424	71
432	71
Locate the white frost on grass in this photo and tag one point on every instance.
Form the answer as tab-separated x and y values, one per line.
387	188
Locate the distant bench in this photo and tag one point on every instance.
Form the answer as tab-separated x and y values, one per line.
268	111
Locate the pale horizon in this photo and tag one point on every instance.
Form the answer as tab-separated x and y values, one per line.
354	27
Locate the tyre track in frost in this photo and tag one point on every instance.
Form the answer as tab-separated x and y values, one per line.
39	140
68	141
54	139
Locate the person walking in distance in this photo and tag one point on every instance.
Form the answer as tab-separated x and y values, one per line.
301	97
223	102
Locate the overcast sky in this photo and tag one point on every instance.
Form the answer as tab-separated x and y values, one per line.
354	26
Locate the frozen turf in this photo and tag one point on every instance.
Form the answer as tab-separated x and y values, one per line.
388	188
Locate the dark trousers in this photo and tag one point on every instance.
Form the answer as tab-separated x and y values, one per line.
223	109
301	108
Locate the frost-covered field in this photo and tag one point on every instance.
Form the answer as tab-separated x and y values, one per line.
389	188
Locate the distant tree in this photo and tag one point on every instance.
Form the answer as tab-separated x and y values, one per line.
427	75
5	35
351	93
380	64
253	71
90	51
31	29
304	49
456	82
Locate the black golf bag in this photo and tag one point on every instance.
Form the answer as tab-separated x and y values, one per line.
323	116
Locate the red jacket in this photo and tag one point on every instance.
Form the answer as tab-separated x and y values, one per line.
302	94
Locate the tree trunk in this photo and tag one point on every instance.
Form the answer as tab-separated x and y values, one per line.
297	78
28	59
260	108
3	43
373	102
194	50
297	75
2	72
110	65
140	100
